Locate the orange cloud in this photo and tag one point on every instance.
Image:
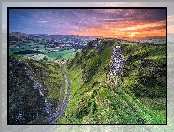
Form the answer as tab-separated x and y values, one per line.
131	28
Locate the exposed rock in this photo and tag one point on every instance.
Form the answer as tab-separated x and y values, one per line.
116	64
26	100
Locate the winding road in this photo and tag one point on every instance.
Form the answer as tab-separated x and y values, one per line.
57	115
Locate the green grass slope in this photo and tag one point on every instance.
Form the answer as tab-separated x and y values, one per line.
140	98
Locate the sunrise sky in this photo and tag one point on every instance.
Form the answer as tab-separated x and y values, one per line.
89	22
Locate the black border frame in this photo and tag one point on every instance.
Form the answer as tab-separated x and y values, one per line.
8	8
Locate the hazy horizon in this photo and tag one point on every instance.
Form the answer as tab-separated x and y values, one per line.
90	36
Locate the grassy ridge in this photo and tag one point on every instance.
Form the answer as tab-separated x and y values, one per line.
139	99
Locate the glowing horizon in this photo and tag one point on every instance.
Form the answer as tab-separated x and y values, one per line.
131	23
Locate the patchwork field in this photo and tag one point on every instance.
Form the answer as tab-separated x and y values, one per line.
38	52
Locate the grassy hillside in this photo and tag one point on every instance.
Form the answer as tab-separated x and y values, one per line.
31	83
140	97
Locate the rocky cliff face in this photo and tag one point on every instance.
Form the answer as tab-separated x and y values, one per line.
26	100
116	65
117	60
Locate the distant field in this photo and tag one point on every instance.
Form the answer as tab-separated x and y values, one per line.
70	54
39	47
64	54
53	55
24	46
40	57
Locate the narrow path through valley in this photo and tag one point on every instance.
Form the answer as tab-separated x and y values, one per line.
62	107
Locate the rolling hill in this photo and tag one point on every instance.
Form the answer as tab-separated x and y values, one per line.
139	97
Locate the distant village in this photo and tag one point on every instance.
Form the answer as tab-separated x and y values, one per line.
52	42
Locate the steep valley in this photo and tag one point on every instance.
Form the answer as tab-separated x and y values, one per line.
112	82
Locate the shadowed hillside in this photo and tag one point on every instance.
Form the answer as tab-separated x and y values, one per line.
34	90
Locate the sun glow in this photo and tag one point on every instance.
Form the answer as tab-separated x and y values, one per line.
133	34
133	29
